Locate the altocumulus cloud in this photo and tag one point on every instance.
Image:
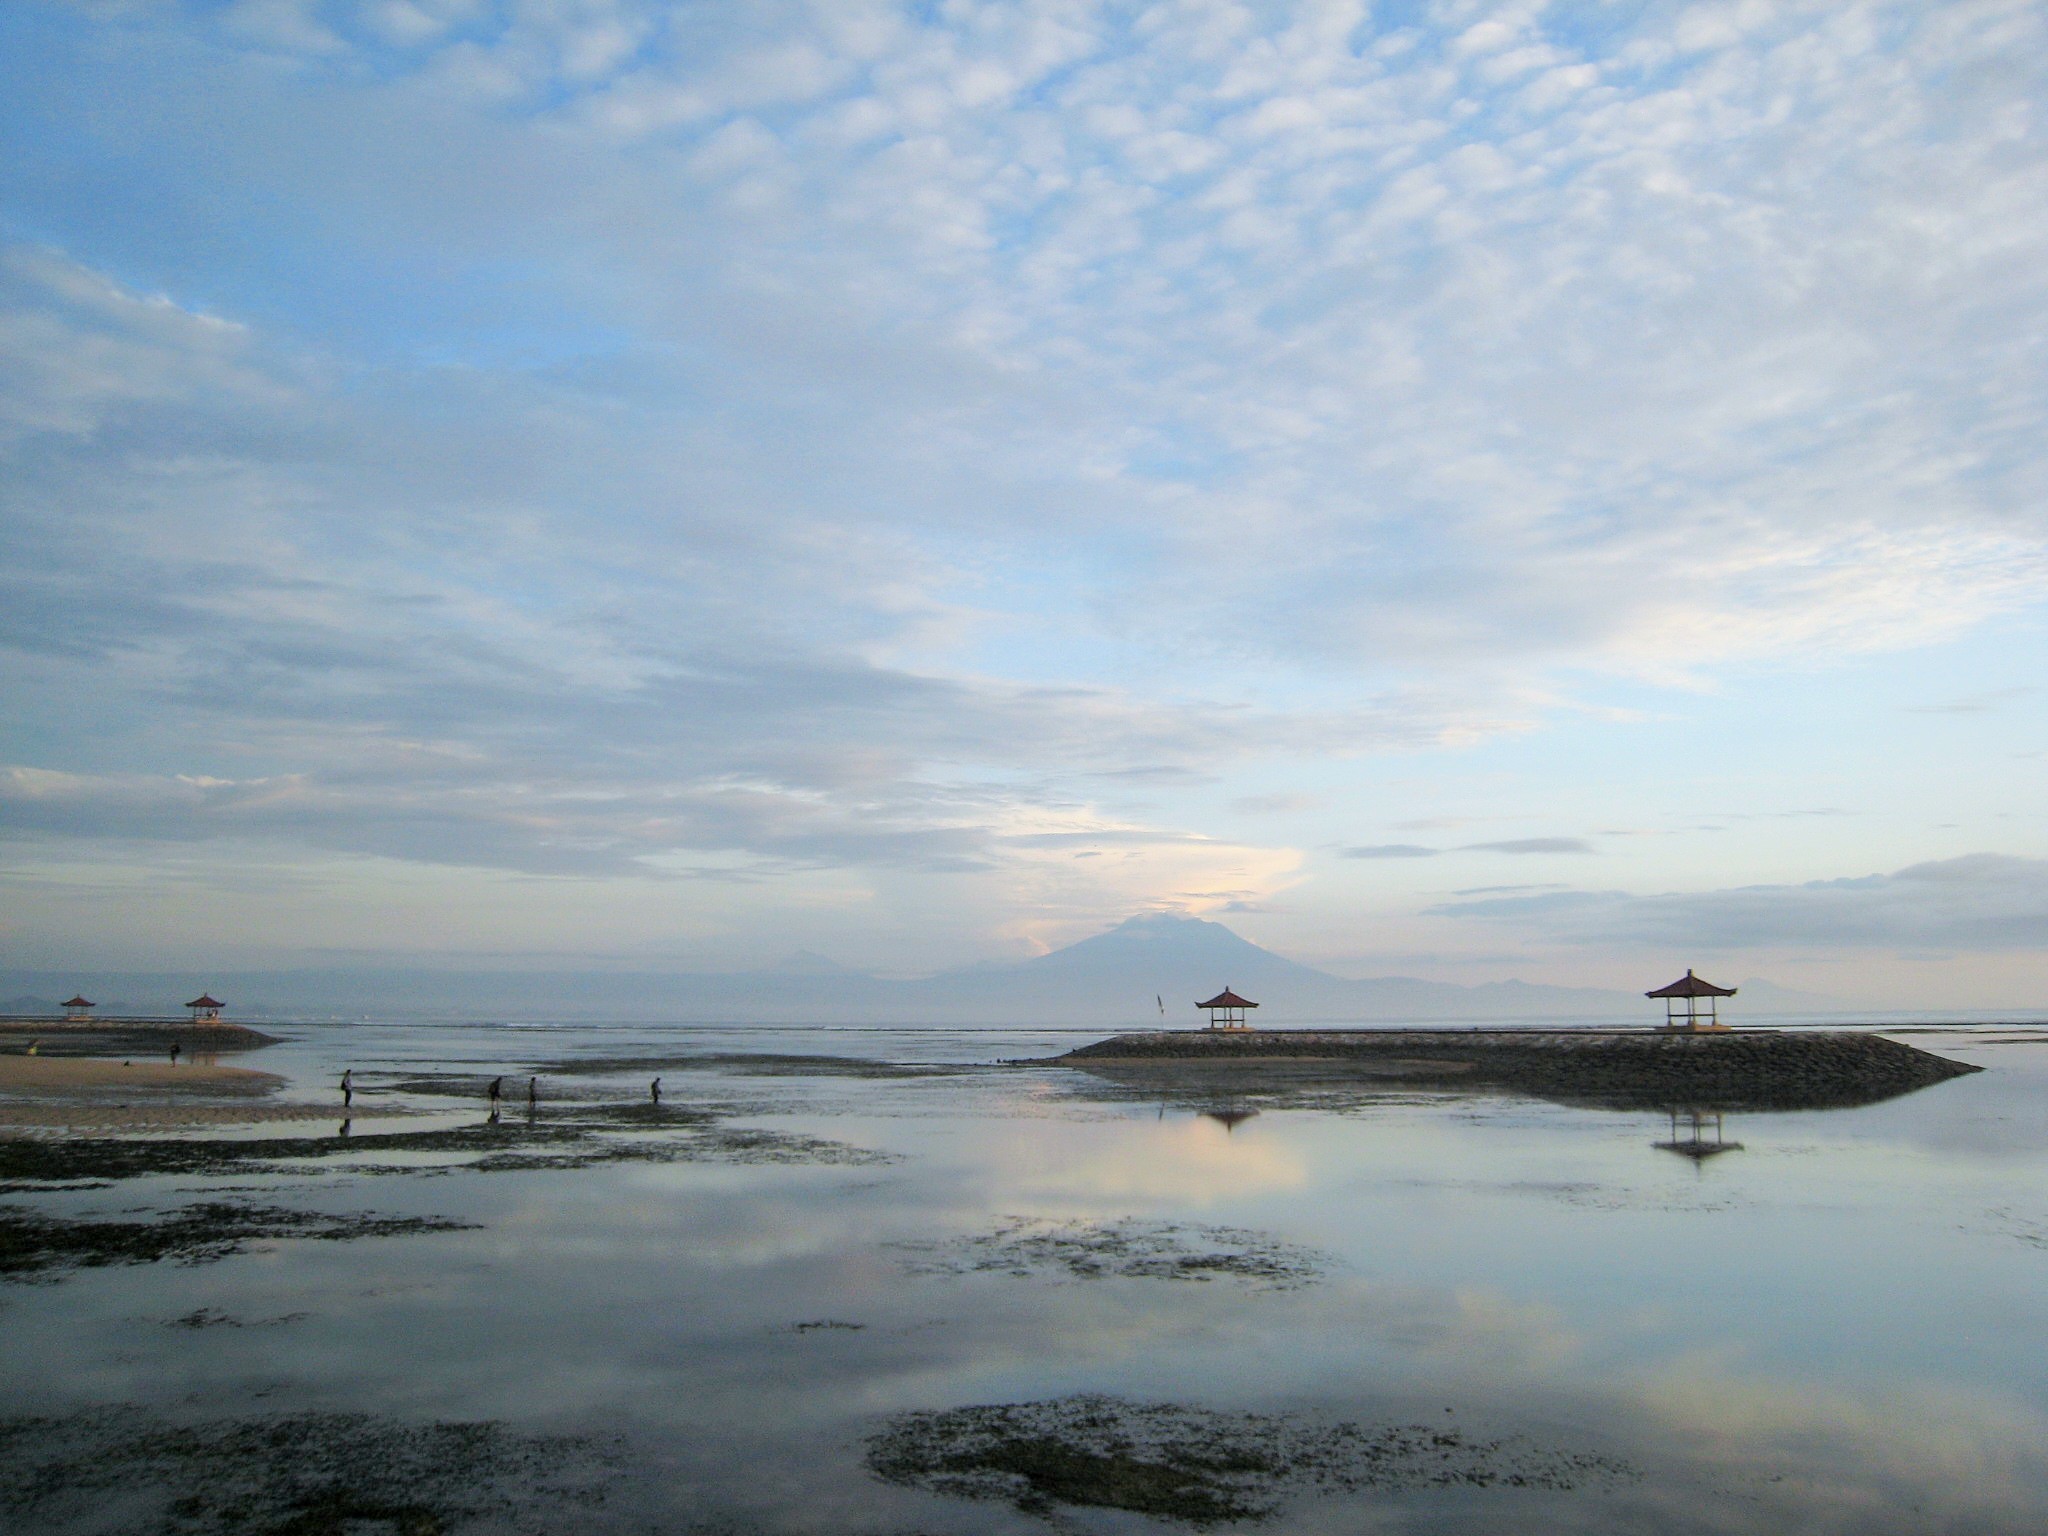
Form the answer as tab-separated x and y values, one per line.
1979	902
894	437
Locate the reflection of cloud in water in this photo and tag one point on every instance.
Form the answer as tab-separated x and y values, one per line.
1188	1159
1760	1450
1964	1460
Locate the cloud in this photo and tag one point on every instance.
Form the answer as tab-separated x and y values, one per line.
1980	902
563	437
1519	845
1276	804
1974	704
1534	845
1239	283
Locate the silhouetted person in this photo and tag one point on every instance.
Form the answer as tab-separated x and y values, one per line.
348	1088
654	1092
174	1053
496	1091
532	1092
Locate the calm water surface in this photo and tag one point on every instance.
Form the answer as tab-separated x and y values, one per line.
1842	1326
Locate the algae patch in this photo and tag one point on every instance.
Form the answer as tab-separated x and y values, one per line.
213	1317
1026	1246
34	1245
117	1471
755	1064
580	1137
1199	1466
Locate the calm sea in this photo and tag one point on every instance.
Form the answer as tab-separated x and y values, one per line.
1839	1323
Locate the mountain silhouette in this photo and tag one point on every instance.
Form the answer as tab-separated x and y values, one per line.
1170	951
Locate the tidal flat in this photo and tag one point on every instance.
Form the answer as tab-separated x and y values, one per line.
875	1281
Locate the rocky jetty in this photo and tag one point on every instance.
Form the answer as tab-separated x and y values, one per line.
127	1037
1732	1069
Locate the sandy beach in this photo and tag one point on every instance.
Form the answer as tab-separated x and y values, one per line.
96	1094
75	1074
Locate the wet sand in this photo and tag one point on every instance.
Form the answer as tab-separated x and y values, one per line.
70	1074
144	1119
40	1094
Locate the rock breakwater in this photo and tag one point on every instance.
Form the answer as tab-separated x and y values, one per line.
127	1037
1734	1069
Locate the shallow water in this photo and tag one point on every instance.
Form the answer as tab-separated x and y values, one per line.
1839	1326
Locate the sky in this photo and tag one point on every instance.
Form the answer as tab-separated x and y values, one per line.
1461	490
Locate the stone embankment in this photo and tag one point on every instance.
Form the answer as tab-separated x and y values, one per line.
124	1037
1734	1069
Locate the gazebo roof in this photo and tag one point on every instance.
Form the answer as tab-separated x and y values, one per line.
79	1002
206	1000
1227	999
1690	985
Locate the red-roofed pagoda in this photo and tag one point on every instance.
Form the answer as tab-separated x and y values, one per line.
1690	990
1227	1009
79	1007
206	1008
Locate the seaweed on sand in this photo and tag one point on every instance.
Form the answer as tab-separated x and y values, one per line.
586	1135
472	1086
213	1317
116	1471
32	1245
756	1064
1197	1466
1128	1249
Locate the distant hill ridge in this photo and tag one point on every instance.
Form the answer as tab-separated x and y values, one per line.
1111	978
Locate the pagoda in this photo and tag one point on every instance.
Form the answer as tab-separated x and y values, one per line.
1682	1001
1226	1010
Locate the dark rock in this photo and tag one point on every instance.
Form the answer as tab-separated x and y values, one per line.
1725	1070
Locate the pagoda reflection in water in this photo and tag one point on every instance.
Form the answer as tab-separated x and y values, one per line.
1697	1134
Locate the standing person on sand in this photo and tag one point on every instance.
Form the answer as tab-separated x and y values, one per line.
497	1088
348	1088
532	1093
654	1092
174	1052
